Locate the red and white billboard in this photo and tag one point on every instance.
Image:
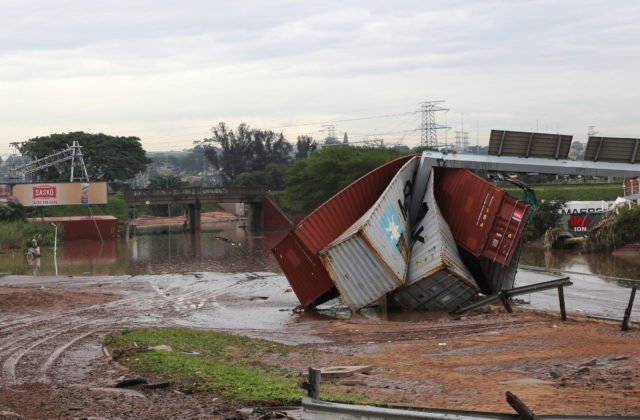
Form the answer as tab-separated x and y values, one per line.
57	194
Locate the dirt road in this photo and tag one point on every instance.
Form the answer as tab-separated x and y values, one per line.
53	365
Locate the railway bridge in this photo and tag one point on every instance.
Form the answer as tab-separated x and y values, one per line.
193	198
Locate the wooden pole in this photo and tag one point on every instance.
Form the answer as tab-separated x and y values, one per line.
314	384
520	407
627	312
563	311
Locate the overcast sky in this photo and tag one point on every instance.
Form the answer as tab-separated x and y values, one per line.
167	71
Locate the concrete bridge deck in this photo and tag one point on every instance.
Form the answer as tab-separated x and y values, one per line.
193	198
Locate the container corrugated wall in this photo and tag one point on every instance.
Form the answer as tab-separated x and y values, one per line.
370	258
469	204
437	279
484	220
506	231
500	277
297	252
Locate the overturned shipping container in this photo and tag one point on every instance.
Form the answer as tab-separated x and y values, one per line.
437	279
370	258
484	220
297	253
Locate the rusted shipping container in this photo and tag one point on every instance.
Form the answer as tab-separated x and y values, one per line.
274	217
437	279
297	253
506	230
484	220
501	277
631	186
84	227
370	258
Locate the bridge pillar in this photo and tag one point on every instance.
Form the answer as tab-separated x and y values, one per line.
193	217
255	216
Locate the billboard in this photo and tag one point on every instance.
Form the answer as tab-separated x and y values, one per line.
55	194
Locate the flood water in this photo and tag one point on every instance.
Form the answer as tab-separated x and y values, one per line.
602	264
230	248
226	247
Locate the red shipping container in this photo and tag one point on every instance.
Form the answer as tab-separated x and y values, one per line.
297	253
631	186
484	220
506	230
274	217
84	227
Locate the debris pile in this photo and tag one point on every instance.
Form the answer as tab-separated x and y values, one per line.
428	238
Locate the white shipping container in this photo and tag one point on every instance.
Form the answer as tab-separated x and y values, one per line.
370	258
437	279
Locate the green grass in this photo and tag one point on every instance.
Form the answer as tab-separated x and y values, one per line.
573	192
233	367
18	234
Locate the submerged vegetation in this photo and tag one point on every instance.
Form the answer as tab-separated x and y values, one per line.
238	369
620	228
17	234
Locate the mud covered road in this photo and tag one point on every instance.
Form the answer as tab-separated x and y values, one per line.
52	364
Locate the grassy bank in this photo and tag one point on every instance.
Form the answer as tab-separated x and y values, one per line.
18	234
239	369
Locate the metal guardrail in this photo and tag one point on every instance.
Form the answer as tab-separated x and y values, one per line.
635	283
504	295
315	409
323	410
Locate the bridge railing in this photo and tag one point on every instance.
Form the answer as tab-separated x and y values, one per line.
193	194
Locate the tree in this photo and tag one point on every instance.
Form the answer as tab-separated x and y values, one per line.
166	182
245	150
272	178
304	146
107	158
312	181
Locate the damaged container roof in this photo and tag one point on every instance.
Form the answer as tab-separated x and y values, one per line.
437	279
370	258
297	253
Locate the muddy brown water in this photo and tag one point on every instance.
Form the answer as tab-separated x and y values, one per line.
231	248
225	247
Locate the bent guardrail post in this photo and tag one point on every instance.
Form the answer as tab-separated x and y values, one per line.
627	312
520	407
563	311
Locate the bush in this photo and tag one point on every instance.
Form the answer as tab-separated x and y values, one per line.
11	212
620	229
18	234
547	216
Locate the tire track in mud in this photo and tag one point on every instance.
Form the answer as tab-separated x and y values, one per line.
33	345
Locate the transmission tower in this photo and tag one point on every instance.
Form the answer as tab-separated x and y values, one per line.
462	140
72	153
331	134
429	125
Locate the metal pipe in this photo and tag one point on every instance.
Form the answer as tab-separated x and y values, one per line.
55	247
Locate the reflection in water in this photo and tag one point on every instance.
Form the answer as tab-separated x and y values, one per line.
583	262
229	248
